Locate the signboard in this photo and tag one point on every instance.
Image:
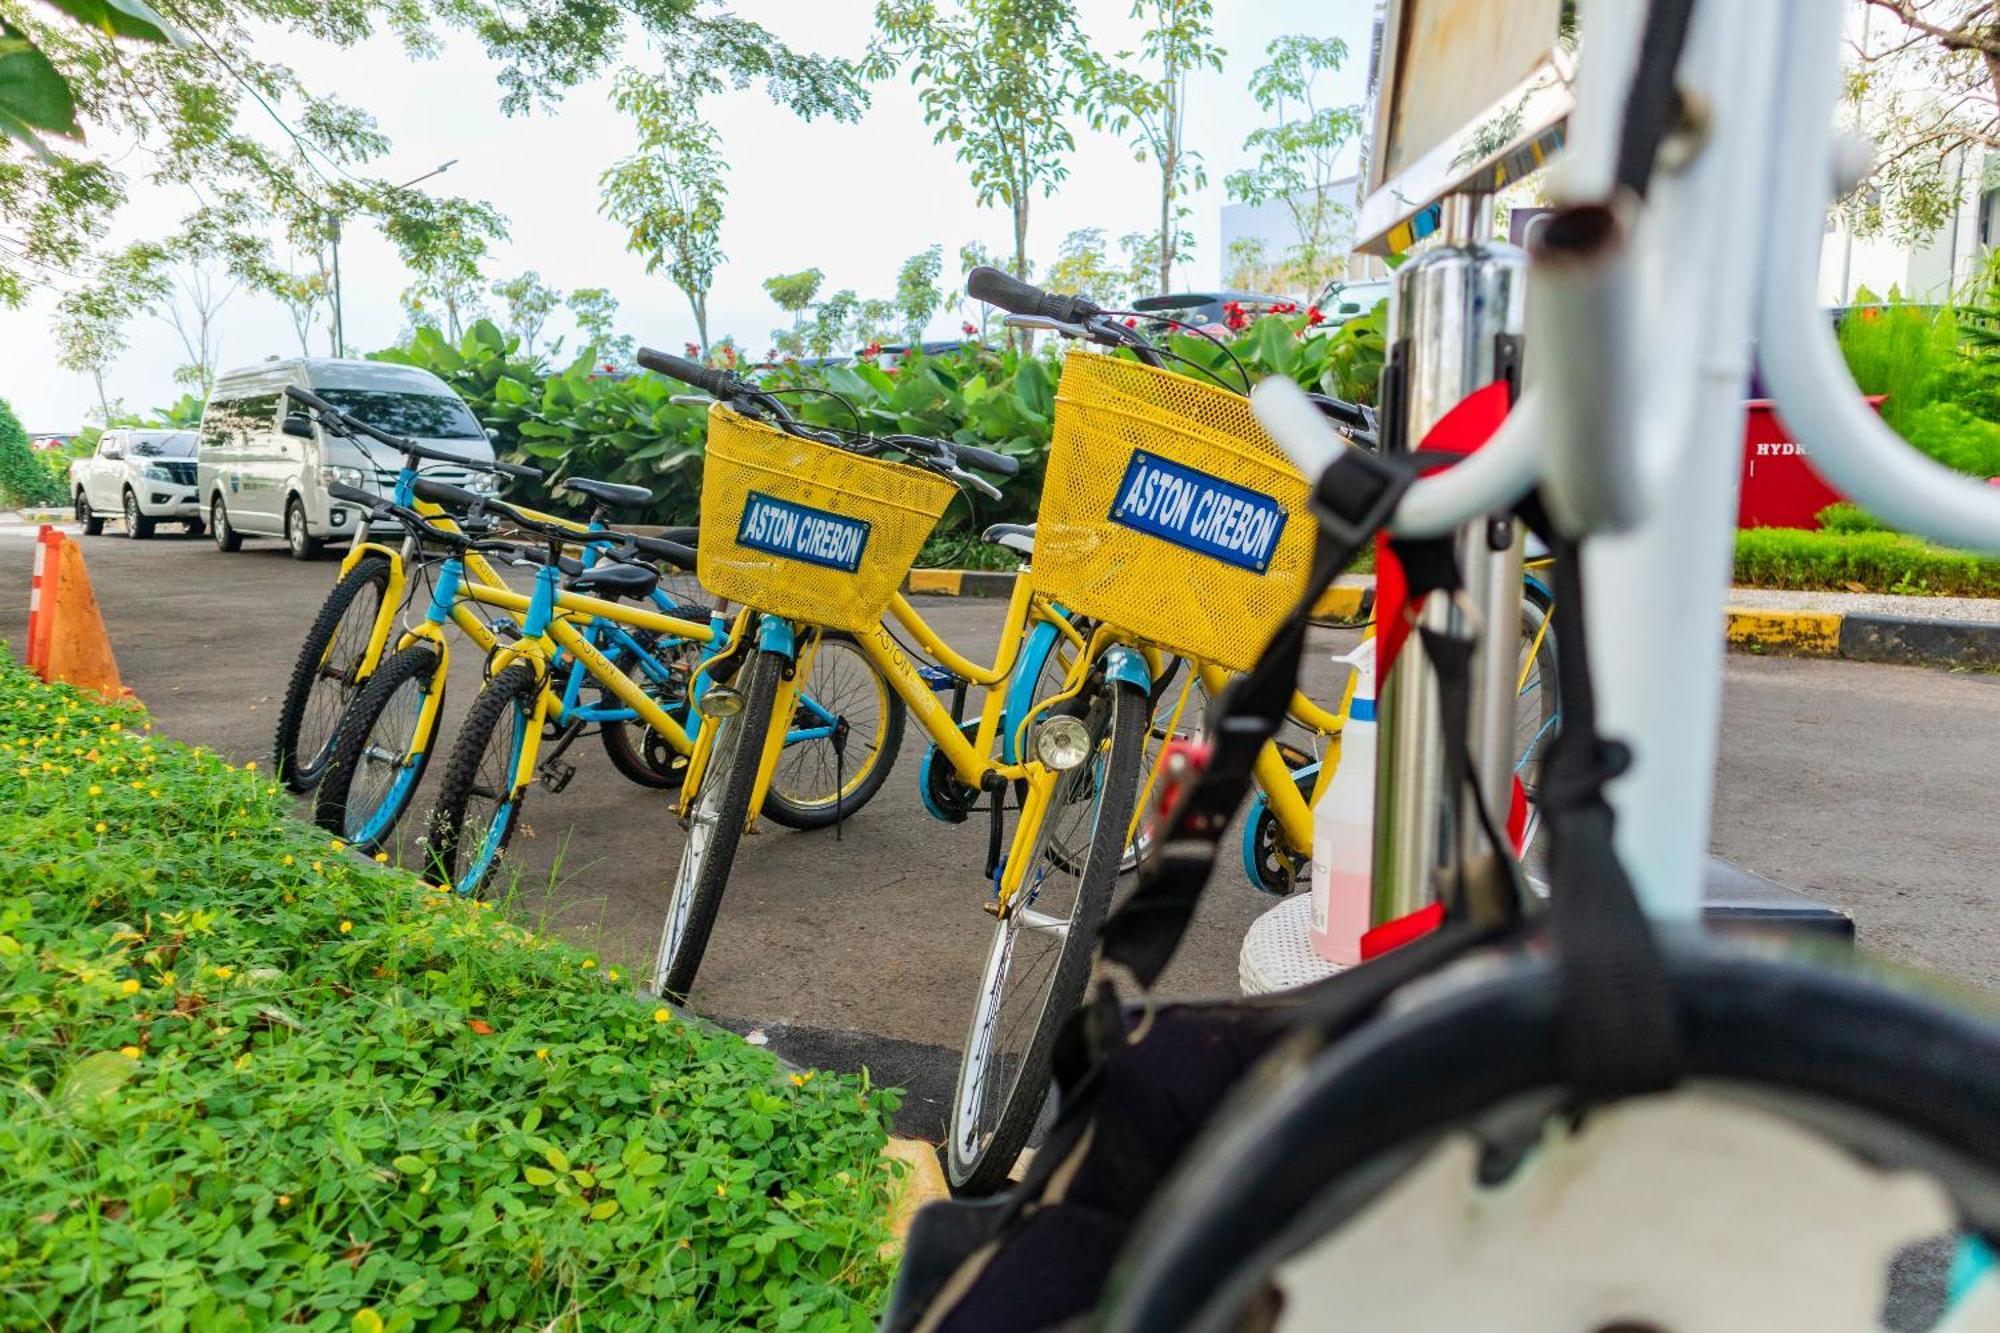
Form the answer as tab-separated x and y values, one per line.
1473	94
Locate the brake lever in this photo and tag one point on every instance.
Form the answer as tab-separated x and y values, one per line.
1043	324
978	483
691	400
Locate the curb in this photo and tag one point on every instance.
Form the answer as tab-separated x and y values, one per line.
1863	637
1852	636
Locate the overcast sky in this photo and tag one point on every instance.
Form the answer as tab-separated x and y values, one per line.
852	199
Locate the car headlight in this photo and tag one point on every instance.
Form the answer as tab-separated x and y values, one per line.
346	476
157	472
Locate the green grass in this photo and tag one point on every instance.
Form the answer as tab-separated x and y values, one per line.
1876	560
249	1079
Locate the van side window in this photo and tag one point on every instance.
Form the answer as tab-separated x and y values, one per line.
257	412
217	420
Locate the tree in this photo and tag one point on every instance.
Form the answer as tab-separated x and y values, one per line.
596	313
1083	266
207	113
1298	156
444	243
528	304
669	195
301	294
793	292
996	78
1151	106
90	321
1927	88
832	320
972	255
917	294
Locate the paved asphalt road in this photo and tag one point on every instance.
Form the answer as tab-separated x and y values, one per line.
1871	787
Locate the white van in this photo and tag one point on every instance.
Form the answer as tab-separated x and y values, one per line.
259	481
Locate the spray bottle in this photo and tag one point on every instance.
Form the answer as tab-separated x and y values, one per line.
1343	851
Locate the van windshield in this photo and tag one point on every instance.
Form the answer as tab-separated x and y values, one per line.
426	415
174	446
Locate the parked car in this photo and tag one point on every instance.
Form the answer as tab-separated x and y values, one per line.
265	466
1203	309
147	476
1344	299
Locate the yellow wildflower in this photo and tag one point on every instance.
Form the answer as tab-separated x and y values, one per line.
541	1052
250	766
382	858
98	827
800	1080
129	1052
721	1190
129	986
319	868
224	972
288	858
612	975
96	790
589	963
663	1015
284	1201
347	927
337	845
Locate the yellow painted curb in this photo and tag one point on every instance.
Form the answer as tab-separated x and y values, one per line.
923	1183
946	581
1800	633
1343	601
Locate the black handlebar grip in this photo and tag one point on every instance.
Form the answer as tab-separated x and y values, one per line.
307	398
514	470
714	383
1011	294
353	495
1000	465
675	554
444	493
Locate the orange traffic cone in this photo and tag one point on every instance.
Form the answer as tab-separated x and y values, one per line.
76	649
41	596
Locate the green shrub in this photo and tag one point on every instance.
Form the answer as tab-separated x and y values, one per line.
1956	437
24	478
1900	350
575	422
1846	516
1878	561
251	1080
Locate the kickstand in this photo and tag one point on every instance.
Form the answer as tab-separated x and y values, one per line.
839	772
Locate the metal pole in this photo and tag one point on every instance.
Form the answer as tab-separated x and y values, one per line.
339	329
1457	310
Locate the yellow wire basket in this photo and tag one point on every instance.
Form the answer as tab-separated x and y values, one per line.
1168	513
805	530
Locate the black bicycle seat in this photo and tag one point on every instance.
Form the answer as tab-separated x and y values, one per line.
615	580
612	493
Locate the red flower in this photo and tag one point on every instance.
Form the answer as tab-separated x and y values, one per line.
1131	321
971	329
608	367
1313	316
1285	308
872	350
692	351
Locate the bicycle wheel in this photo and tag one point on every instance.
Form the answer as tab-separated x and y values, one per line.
715	822
639	753
381	751
846	760
1039	960
326	678
478	806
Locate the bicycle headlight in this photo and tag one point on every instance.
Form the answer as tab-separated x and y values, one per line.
719	701
484	483
1062	742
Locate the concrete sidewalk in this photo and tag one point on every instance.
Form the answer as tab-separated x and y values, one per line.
1861	627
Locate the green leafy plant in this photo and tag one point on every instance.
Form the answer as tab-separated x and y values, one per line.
1874	560
254	1080
1899	349
24	480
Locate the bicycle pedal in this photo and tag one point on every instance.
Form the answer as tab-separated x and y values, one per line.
554	777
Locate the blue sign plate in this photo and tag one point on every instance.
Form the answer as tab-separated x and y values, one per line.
798	533
1202	513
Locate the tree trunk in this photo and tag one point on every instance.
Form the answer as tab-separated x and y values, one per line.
1167	226
698	302
1021	337
103	402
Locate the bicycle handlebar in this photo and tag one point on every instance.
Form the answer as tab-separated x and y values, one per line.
1009	293
1000	465
348	424
714	382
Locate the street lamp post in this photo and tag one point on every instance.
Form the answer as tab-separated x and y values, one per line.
339	325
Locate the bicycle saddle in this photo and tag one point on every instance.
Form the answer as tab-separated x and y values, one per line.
1014	536
610	493
614	580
